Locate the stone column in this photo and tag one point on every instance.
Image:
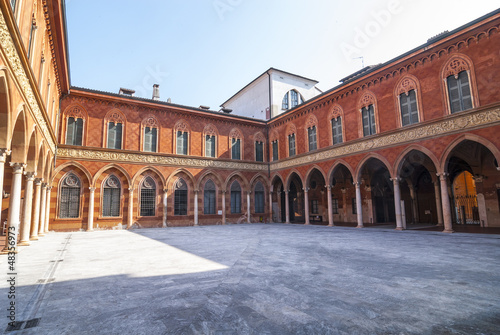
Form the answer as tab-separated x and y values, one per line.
306	205
36	210
47	211
130	220
344	202
195	207
330	205
359	202
90	225
28	199
445	199
287	208
439	209
165	207
3	154
14	206
43	207
414	207
223	207
248	207
397	203
270	206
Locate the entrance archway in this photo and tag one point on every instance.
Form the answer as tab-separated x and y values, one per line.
295	199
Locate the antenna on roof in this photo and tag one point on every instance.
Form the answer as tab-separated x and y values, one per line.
362	61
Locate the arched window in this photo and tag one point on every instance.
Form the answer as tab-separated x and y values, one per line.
459	84
74	131
259	198
210	135
291	131
148	197
181	138
114	126
336	121
180	197
311	126
291	99
150	134
69	201
235	198
111	197
209	204
407	92
235	138
368	112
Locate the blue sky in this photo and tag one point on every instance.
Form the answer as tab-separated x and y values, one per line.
201	52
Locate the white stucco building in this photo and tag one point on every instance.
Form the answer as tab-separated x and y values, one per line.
271	93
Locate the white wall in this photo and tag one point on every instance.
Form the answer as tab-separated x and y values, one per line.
253	101
283	83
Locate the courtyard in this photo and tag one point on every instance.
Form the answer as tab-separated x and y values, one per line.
257	279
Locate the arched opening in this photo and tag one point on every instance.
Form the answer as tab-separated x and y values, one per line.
474	182
278	200
343	196
180	197
148	197
419	189
295	199
318	205
377	193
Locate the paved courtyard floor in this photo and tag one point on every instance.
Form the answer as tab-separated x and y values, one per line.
257	279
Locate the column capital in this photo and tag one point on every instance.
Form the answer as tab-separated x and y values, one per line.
328	187
44	185
17	167
165	190
30	176
343	190
92	189
196	191
38	181
49	188
306	189
442	176
249	192
395	180
223	191
131	189
357	184
4	151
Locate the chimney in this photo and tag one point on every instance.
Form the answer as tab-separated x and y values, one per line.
156	92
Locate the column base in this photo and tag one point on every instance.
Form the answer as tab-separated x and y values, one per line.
41	234
331	225
90	230
307	223
34	238
399	228
23	243
449	231
360	226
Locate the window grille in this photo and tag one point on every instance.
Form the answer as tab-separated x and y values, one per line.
182	143
235	198
111	197
69	205
209	197
148	197
180	197
335	206
235	148
284	103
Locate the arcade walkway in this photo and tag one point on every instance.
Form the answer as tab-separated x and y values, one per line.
257	279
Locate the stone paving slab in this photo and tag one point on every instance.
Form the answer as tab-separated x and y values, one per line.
258	279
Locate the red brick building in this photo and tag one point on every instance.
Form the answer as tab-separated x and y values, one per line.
413	140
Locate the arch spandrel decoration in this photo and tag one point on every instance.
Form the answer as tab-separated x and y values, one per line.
148	183
366	100
210	130
115	117
456	65
259	137
311	122
112	182
291	129
150	121
337	112
75	112
406	85
182	126
71	180
236	133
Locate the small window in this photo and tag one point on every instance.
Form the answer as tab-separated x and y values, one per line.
111	197
259	198
209	204
150	139
354	207
337	130
291	145
294	98
182	142
259	151
284	103
314	207
74	131
335	206
235	198
180	197
275	150
235	148
148	197
368	116
69	201
209	146
114	135
313	144
409	111
459	92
